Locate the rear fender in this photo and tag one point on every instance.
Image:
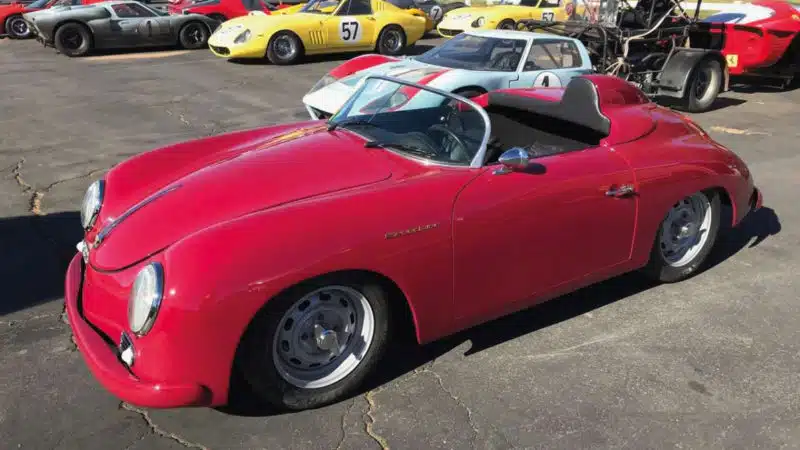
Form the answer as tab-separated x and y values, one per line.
680	67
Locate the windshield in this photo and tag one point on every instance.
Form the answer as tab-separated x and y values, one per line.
320	6
415	121
473	52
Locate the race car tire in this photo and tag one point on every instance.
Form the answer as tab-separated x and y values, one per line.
287	360
284	48
17	28
73	39
391	41
506	24
703	86
219	18
193	35
685	237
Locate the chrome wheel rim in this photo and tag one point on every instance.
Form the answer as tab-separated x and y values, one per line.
684	231
284	47
323	337
393	41
19	27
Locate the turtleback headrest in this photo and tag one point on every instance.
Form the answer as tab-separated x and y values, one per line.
580	105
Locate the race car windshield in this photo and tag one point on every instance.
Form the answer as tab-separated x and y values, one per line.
471	52
414	121
317	6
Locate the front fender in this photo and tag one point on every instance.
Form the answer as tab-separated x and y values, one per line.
681	66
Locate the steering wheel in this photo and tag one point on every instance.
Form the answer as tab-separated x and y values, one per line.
455	147
508	60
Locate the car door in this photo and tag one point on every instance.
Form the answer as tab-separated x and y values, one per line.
550	63
131	24
518	236
351	26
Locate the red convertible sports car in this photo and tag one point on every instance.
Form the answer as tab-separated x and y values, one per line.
759	39
289	253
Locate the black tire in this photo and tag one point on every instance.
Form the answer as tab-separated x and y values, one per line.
392	41
193	35
255	358
703	87
469	92
662	270
506	24
284	48
73	40
219	18
17	28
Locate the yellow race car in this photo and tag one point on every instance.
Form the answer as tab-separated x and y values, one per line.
352	26
503	16
329	5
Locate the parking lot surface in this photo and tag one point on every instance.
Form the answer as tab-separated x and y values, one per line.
713	362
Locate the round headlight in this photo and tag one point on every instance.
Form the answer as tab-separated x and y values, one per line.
145	298
242	38
480	22
92	201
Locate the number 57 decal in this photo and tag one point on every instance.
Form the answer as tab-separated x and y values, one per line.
548	16
350	30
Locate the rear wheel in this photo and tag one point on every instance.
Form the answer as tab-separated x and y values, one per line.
685	237
193	35
391	41
73	39
316	342
703	86
17	28
284	48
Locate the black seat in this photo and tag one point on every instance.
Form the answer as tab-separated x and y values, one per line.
580	105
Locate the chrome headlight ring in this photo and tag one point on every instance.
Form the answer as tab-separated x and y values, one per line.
145	298
92	202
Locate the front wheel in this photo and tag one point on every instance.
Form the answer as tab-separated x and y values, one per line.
73	40
314	344
391	41
703	86
284	48
193	35
17	28
685	237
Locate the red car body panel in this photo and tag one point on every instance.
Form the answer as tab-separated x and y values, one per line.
761	43
261	210
229	9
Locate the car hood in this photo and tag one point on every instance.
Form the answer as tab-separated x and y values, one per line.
331	97
299	164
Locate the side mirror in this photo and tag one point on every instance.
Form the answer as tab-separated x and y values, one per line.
514	159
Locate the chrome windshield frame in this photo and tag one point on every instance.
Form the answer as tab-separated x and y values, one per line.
478	160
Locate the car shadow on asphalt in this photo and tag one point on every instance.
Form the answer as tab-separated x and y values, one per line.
417	49
759	85
405	355
36	252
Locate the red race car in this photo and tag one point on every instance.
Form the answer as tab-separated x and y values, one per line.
759	39
223	10
289	253
12	24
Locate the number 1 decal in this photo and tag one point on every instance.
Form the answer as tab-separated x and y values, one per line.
547	79
350	30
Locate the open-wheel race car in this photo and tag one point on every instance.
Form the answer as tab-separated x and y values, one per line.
293	254
654	44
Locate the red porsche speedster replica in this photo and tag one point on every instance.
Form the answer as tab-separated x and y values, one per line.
289	253
759	39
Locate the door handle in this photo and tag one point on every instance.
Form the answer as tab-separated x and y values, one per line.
621	191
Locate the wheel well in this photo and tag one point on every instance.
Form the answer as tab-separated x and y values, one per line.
470	88
81	24
725	199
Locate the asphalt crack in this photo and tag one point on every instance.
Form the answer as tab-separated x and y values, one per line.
368	425
158	430
35	202
458	401
344	424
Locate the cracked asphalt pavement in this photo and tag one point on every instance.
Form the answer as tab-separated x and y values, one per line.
713	362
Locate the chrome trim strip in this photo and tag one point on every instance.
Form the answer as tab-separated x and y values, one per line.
480	155
103	234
